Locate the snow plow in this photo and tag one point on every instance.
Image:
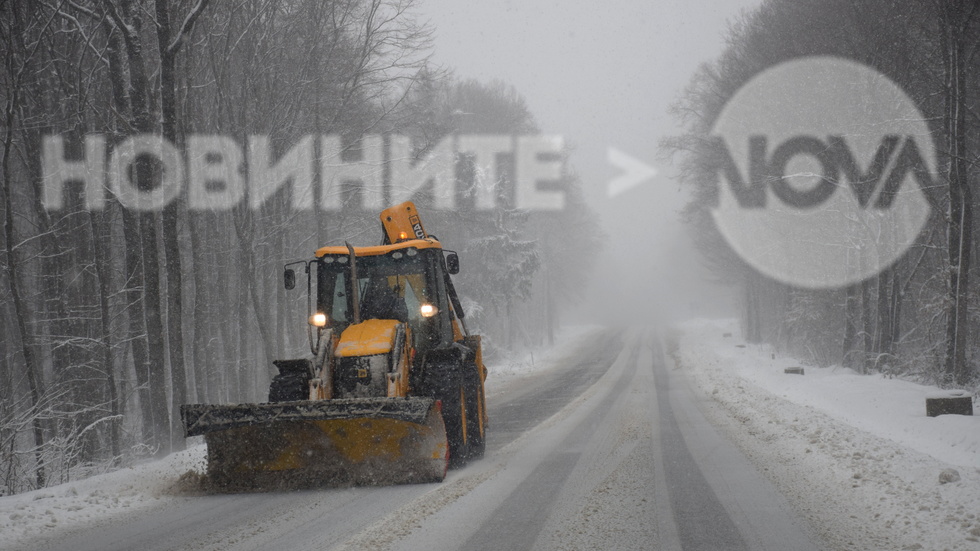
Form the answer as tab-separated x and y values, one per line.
393	391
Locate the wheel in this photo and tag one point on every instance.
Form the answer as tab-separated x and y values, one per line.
289	387
475	404
446	386
454	416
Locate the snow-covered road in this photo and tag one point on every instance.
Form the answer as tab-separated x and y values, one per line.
611	440
628	464
605	446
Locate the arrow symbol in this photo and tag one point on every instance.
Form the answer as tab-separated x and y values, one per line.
636	172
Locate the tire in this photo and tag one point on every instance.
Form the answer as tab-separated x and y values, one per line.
475	404
446	386
289	387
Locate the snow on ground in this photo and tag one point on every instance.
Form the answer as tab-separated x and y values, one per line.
604	503
87	501
95	499
523	364
856	454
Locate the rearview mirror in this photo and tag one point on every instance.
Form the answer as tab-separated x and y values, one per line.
452	263
289	279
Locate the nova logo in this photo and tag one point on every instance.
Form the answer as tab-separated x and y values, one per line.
821	165
838	168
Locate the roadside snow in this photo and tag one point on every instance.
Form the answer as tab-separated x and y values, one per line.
888	408
88	501
94	500
535	360
856	454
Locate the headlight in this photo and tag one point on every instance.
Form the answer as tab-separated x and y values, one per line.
428	310
318	319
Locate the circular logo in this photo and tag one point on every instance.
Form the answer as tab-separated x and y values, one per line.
821	163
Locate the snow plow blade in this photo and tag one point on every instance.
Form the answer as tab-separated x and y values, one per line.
357	441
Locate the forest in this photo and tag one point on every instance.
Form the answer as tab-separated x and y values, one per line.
919	318
111	318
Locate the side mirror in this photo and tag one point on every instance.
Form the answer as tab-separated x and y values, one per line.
289	279
452	263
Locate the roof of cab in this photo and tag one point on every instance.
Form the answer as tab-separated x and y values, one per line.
380	249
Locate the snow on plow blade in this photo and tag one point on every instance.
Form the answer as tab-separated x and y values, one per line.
313	443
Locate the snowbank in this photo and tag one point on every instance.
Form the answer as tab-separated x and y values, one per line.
534	361
889	408
87	501
855	454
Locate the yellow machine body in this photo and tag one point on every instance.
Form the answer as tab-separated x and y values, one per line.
368	408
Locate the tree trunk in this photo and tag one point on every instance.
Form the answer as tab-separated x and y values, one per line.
245	227
241	367
100	231
202	361
129	24
35	378
867	329
753	325
134	245
169	45
898	293
885	317
960	232
849	348
155	335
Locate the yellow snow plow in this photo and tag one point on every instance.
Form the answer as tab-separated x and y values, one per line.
307	443
393	392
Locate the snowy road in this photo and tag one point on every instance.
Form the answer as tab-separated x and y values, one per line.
609	449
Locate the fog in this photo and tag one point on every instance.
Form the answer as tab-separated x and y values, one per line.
192	197
155	185
605	76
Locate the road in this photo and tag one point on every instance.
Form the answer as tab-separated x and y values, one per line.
609	450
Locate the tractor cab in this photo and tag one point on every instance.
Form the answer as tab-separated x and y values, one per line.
405	282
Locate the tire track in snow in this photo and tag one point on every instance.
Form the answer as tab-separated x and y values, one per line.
628	464
749	506
692	499
512	517
505	469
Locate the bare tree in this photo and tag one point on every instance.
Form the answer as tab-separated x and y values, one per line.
929	51
21	44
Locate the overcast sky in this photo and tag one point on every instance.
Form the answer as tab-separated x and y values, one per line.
601	74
